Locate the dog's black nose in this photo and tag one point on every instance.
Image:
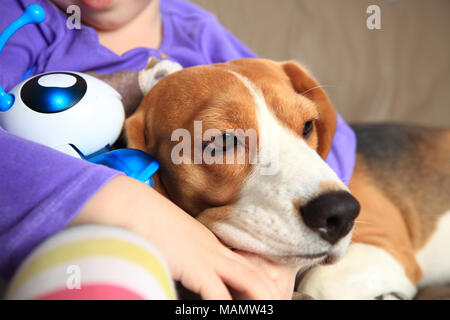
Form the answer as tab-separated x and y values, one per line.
331	214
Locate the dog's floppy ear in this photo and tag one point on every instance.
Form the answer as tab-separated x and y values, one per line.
135	136
135	131
306	85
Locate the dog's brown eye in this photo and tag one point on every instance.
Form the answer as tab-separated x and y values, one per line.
308	128
227	141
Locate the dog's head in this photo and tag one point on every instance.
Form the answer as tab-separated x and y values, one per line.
242	148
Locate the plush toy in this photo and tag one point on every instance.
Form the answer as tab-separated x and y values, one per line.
134	85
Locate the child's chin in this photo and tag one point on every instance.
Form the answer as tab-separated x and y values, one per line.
97	4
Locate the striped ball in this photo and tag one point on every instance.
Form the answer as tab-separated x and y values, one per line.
93	262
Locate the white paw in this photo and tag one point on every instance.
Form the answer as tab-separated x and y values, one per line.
365	272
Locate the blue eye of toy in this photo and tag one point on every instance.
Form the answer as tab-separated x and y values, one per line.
52	99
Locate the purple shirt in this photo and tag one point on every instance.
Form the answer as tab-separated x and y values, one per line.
41	190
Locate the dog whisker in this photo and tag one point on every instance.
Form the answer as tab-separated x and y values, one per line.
303	94
317	87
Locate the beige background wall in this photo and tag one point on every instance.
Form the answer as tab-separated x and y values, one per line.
398	73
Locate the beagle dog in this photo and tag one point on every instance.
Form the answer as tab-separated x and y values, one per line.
283	202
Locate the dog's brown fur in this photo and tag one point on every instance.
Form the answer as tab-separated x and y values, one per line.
401	177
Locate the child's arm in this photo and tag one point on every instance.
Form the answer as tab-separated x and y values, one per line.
194	255
41	190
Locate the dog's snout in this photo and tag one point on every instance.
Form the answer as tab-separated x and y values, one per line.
331	214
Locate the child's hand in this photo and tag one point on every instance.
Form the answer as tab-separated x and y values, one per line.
194	255
283	276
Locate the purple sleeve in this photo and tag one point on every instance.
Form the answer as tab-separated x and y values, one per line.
342	155
41	190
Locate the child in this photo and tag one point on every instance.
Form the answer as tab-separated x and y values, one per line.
43	191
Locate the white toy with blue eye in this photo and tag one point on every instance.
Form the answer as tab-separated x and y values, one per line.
57	109
70	111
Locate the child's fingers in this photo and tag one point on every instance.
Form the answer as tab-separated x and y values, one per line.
245	280
206	283
213	288
243	258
